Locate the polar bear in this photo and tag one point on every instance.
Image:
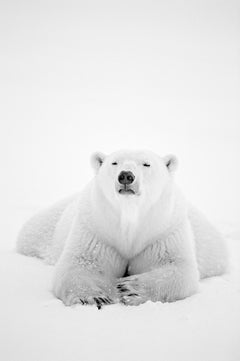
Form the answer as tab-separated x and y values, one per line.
130	236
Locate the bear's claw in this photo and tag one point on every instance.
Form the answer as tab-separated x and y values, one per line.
130	292
122	288
98	301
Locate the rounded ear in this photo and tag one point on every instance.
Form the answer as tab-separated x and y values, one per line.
171	162
97	160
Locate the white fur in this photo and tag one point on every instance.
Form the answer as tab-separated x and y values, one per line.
163	243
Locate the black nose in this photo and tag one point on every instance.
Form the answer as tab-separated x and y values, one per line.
126	177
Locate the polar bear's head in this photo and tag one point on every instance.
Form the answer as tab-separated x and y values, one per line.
131	176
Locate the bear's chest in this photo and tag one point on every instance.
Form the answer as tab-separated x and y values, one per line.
130	235
129	230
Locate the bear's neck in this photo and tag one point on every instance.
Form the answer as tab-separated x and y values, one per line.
131	226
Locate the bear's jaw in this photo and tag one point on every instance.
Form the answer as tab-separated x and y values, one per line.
127	190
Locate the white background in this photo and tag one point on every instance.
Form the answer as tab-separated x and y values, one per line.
80	76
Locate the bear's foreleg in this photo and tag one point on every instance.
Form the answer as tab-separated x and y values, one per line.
165	271
87	270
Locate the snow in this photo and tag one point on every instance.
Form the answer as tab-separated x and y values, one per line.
37	326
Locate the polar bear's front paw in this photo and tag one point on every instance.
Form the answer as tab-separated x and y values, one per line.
131	292
85	291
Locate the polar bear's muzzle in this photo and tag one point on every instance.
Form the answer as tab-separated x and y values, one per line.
126	183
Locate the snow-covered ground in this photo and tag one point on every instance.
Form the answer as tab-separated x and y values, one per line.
37	326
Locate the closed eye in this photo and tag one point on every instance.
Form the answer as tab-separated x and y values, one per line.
146	165
114	163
